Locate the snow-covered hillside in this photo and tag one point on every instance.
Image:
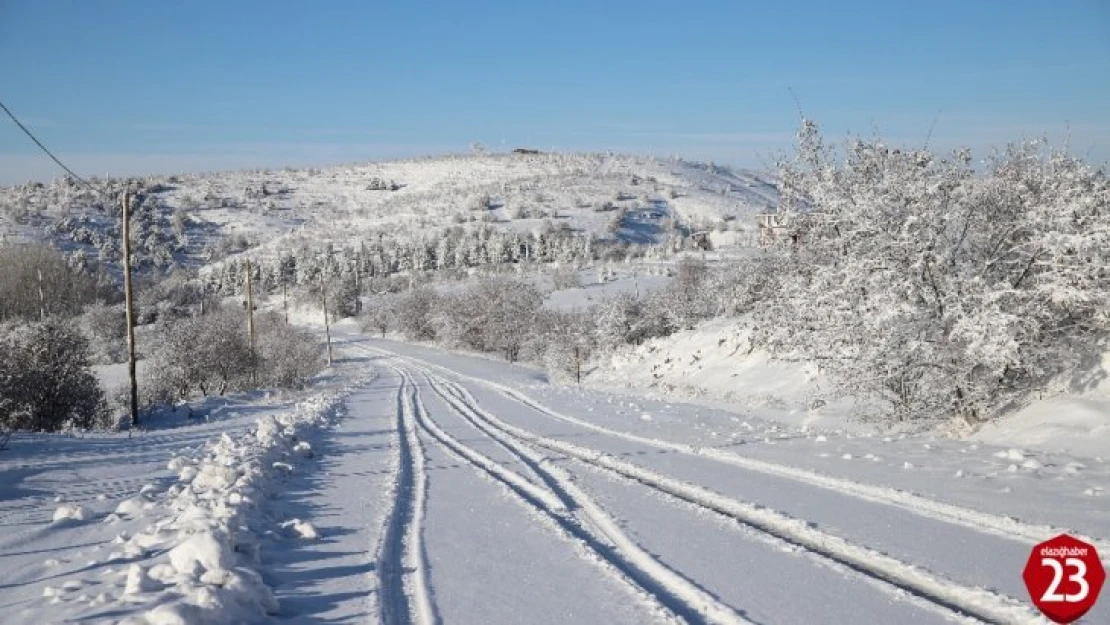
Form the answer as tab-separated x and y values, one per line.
196	219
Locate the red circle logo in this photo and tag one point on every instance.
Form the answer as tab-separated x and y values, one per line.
1064	576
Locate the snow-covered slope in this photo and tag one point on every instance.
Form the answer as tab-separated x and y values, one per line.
1074	420
198	218
715	364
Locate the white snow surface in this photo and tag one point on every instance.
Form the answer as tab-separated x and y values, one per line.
163	526
715	365
1077	420
417	485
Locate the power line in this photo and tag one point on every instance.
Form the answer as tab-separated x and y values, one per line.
47	150
126	232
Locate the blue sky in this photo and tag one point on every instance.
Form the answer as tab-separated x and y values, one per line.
132	87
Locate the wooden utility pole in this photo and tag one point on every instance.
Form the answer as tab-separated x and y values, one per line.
250	314
42	298
327	325
129	307
358	286
284	300
578	365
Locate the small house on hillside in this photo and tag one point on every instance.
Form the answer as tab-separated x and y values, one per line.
777	229
773	228
701	240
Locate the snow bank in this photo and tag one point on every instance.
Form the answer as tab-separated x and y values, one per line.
715	362
207	533
1072	422
69	513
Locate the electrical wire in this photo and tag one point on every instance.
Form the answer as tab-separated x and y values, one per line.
57	160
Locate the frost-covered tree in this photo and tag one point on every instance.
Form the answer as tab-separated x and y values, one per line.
36	280
209	354
413	313
288	357
377	316
941	289
105	327
507	310
45	381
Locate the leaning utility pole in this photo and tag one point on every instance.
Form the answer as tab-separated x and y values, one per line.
130	308
250	314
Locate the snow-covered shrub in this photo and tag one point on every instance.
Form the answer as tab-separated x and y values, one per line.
565	277
686	301
45	381
288	357
944	290
457	321
413	313
175	296
210	354
180	225
741	287
492	315
482	202
37	279
206	354
105	327
564	342
563	362
628	319
617	221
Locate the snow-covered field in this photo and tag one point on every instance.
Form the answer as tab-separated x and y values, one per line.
417	485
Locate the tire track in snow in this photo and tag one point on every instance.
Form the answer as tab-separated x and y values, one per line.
582	519
985	522
401	561
977	603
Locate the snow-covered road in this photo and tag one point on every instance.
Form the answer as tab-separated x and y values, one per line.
416	485
509	507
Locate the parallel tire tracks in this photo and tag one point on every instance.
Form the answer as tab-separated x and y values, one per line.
577	514
984	522
405	595
977	603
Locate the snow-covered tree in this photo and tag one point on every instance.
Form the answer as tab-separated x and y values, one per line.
941	289
45	380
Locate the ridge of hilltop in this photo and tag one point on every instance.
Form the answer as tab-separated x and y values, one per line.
196	219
